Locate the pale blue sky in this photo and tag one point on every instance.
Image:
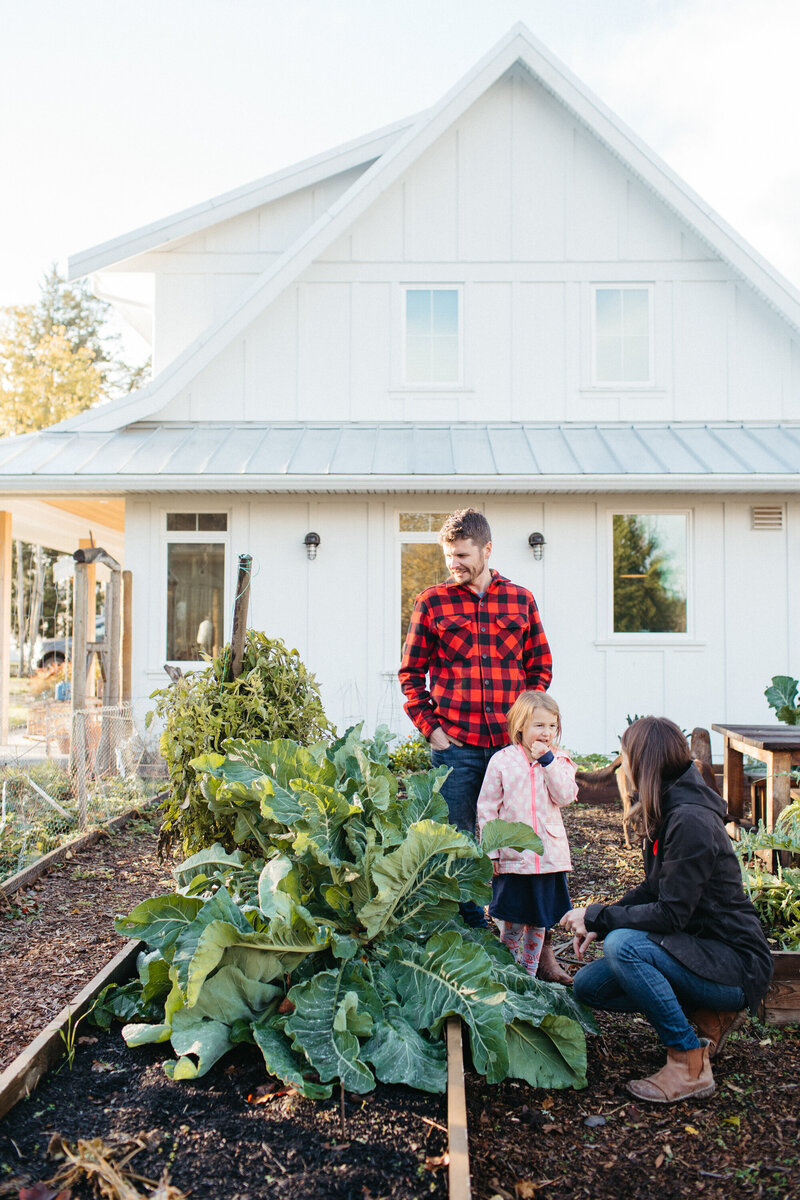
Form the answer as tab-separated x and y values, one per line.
115	113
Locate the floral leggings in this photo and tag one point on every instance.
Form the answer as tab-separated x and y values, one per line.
524	941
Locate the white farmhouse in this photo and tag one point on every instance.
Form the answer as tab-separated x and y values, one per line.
507	302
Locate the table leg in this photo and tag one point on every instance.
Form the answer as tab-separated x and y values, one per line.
733	782
779	785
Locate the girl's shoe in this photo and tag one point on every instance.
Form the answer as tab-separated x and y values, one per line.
550	970
687	1073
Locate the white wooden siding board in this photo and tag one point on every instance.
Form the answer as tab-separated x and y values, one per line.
433	451
591	452
472	452
512	451
157	450
484	171
678	457
315	451
551	450
353	455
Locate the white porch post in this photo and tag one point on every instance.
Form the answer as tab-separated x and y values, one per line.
5	621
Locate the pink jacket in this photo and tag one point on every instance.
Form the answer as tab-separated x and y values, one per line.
517	790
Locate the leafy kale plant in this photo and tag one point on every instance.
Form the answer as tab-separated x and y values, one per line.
782	696
339	950
275	696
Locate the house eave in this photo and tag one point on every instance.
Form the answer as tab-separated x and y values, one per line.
258	485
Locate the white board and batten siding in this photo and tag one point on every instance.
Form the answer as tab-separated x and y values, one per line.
523	210
341	611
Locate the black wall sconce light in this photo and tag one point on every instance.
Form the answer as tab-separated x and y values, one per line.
311	542
537	543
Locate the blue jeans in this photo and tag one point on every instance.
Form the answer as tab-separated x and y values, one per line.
467	768
637	975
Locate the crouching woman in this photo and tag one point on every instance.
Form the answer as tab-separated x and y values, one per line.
685	947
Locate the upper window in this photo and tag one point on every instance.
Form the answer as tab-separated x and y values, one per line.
649	572
421	560
623	342
432	341
196	558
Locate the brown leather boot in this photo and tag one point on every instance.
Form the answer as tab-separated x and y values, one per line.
549	967
687	1073
717	1027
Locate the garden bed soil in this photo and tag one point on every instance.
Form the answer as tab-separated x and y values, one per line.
597	1143
56	934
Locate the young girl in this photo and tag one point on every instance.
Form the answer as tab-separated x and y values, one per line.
531	780
685	946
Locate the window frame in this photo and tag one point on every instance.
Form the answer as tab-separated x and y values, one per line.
415	538
649	637
623	384
421	384
189	537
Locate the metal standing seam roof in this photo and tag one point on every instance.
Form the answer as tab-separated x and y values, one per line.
250	452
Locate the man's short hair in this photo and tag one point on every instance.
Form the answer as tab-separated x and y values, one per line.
466	523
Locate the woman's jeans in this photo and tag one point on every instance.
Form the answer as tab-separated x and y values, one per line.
461	788
638	975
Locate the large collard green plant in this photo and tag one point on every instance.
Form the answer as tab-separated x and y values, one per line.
340	951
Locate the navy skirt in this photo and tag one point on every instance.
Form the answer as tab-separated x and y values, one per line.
539	900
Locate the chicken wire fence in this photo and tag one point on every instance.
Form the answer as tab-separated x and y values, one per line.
96	766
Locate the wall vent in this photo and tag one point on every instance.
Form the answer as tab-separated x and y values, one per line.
766	516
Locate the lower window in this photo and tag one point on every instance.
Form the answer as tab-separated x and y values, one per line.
195	590
649	572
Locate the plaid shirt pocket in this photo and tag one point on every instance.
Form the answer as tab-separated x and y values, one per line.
455	638
511	629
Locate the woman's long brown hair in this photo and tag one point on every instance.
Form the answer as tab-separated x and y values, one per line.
657	751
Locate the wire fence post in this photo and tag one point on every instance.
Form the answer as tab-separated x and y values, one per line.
78	754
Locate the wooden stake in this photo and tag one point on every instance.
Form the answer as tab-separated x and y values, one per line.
240	615
458	1170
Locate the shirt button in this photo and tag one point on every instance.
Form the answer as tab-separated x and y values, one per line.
484	656
483	629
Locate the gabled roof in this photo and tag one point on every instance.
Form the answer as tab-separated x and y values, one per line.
396	456
518	47
361	152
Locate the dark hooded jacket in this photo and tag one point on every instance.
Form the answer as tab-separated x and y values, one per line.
692	901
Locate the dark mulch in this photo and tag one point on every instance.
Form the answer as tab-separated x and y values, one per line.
742	1142
57	934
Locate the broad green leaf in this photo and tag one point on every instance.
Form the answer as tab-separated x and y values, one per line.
451	977
282	1061
277	948
199	1043
412	882
399	1054
213	861
161	921
424	801
782	696
321	1025
320	831
153	971
138	1034
512	835
474	878
549	1055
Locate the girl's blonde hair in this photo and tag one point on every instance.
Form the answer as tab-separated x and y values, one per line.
657	753
523	709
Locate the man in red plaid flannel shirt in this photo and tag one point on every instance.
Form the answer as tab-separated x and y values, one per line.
479	640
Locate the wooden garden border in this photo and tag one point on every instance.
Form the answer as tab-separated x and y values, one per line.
22	1075
31	873
459	1186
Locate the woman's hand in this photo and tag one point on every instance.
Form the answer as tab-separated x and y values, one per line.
575	923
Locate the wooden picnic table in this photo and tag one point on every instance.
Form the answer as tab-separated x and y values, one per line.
778	746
